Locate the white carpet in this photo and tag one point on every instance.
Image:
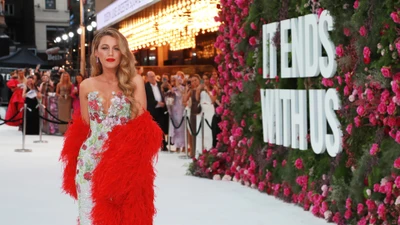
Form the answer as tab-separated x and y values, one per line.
30	192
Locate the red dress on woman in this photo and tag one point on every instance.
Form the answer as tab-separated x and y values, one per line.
15	104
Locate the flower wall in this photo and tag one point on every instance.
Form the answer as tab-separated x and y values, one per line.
362	184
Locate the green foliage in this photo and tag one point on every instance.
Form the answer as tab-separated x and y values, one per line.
357	183
339	194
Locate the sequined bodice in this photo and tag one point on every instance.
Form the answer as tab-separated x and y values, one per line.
117	113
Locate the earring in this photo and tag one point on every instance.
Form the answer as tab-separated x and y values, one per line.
97	59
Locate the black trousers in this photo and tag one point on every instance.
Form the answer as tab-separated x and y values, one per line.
215	128
162	119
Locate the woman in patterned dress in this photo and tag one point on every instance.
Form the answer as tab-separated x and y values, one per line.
109	148
64	100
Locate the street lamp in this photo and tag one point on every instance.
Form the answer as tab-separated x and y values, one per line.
58	39
79	31
64	37
89	28
70	34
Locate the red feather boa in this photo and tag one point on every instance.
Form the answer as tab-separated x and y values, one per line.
123	181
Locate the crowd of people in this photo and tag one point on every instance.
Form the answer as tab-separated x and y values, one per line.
33	87
172	95
168	97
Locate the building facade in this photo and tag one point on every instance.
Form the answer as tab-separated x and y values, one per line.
51	20
165	33
19	17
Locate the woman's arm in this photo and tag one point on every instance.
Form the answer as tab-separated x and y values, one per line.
198	91
187	96
41	87
139	95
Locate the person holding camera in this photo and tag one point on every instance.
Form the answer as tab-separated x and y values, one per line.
206	99
191	89
176	109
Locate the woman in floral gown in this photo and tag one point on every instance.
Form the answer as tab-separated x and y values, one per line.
109	149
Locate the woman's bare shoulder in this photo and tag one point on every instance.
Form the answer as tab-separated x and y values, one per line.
89	83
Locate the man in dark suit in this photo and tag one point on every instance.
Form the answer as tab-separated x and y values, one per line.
156	104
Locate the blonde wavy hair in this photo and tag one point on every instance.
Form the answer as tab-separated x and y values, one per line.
67	83
126	69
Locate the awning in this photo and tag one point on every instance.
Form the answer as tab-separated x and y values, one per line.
21	58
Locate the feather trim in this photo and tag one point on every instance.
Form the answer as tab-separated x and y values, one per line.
74	137
123	181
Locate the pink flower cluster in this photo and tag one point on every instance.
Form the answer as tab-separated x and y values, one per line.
368	102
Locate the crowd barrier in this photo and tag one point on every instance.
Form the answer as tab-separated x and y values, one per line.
185	120
42	108
41	118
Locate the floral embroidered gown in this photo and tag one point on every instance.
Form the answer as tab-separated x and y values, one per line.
101	122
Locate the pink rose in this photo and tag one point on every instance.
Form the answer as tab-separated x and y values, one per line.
327	82
385	95
386	71
398	47
363	221
253	26
346	91
261	186
349	128
360	208
360	110
286	192
299	164
374	149
243	123
391	121
395	17
397	163
397	139
372	119
356	4
382	211
339	51
348	203
397	181
336	218
319	11
357	121
347	214
370	94
382	108
370	205
391	108
253	41
315	210
367	55
340	80
284	163
363	31
346	31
